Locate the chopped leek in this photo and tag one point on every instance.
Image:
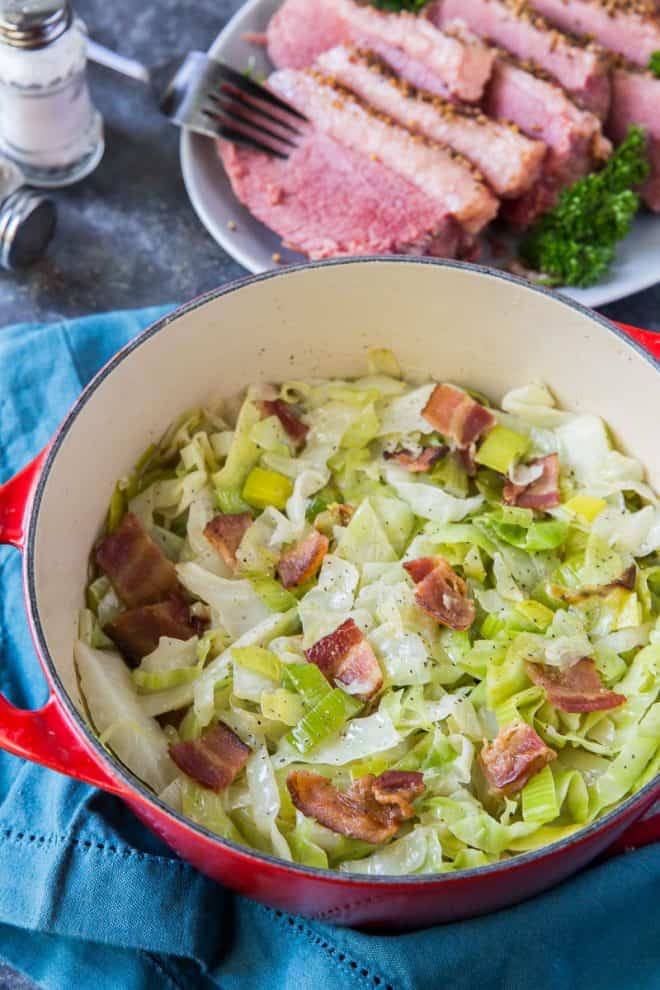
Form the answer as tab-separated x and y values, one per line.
585	506
259	660
263	488
324	719
501	449
539	798
306	680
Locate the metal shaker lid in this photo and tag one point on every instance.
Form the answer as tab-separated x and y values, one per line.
33	23
27	225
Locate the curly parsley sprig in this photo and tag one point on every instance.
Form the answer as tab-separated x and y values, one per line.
575	242
399	5
654	64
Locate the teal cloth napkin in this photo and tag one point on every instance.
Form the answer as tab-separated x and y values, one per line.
90	899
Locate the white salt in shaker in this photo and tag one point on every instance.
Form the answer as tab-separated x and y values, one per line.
48	124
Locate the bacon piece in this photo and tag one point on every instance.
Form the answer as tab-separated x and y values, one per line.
419	463
140	572
303	561
138	631
371	809
540	494
345	657
456	415
214	760
441	592
577	689
514	756
295	427
225	532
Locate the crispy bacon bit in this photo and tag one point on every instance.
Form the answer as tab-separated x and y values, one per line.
345	657
456	415
514	756
441	592
295	427
577	689
540	494
225	532
419	463
371	809
303	561
138	631
214	760
140	572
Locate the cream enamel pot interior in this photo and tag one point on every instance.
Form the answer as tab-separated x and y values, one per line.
455	322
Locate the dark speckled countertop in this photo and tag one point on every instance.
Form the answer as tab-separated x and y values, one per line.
127	235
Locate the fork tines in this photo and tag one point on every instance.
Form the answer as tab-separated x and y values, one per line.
247	113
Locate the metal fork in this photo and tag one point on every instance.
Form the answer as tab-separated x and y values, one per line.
201	94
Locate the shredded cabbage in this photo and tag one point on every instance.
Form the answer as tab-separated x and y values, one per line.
549	587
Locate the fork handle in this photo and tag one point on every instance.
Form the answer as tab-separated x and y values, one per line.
118	63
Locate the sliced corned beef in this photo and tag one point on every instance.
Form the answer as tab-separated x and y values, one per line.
436	171
326	200
447	63
509	161
636	100
541	109
299	31
631	29
582	70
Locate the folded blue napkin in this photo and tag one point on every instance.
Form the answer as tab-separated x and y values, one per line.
89	898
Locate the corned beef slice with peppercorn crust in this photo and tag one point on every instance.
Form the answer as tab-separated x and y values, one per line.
629	27
542	110
447	63
583	71
510	162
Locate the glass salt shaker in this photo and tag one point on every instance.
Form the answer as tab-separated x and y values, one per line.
48	123
27	219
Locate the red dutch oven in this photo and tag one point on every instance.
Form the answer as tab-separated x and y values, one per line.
455	322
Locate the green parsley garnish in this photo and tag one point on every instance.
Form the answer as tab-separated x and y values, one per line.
575	242
399	5
654	64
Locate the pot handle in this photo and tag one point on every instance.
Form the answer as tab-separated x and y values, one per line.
649	339
45	736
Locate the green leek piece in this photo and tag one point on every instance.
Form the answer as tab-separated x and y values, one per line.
229	501
362	430
585	506
539	615
501	449
263	488
162	680
324	719
282	706
96	592
116	509
539	798
273	594
306	680
259	660
451	475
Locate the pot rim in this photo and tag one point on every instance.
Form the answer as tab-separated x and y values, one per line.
133	784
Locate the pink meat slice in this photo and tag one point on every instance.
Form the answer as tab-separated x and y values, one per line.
436	171
510	162
630	29
636	100
583	71
326	200
451	63
542	110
